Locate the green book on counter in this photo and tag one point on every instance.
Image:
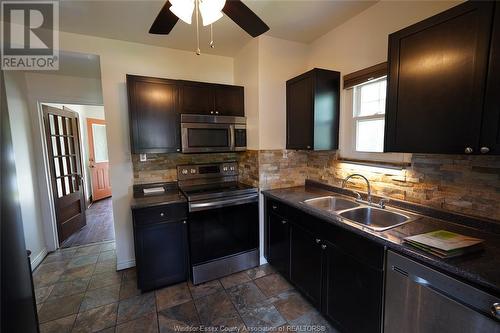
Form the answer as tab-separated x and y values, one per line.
444	244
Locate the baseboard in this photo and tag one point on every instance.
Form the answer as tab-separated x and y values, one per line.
125	264
263	260
35	261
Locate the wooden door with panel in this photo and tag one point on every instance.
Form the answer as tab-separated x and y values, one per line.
64	158
98	159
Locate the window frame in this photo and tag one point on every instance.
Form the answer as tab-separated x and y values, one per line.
348	122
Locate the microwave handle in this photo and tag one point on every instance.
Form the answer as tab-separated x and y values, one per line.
232	144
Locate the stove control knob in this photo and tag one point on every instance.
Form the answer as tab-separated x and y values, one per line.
193	171
184	171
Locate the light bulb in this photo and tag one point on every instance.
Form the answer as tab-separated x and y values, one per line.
183	9
211	10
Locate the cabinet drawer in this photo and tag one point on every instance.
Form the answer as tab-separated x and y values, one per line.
165	213
277	207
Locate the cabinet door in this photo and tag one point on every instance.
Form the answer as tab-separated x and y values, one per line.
161	254
353	292
154	120
437	75
229	101
299	113
196	98
279	243
305	263
490	134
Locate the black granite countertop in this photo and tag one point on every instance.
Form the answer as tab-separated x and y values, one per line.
481	269
170	196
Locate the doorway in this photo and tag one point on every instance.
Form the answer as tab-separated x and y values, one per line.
77	154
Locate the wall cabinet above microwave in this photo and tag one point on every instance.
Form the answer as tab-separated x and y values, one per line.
211	99
155	106
443	83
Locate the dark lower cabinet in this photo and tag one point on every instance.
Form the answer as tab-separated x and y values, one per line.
279	243
352	292
306	263
161	248
339	272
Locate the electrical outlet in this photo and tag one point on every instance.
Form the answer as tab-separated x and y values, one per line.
143	157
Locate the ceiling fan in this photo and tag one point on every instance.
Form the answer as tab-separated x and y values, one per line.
211	11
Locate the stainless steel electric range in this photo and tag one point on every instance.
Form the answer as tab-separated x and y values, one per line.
223	220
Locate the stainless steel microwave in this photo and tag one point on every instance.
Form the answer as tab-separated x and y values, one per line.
210	134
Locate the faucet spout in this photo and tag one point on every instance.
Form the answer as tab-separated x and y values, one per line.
344	183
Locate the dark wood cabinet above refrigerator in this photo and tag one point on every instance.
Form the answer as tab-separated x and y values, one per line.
443	83
155	106
312	110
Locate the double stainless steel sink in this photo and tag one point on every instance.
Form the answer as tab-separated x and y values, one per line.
373	218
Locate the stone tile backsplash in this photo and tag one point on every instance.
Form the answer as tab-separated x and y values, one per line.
458	183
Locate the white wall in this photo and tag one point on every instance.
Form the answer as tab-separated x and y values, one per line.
17	101
263	66
119	58
246	73
279	60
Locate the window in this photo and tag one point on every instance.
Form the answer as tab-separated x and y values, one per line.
369	115
362	120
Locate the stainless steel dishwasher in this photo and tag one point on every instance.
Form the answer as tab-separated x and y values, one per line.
421	299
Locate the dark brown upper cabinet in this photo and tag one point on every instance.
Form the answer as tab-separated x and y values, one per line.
154	120
438	76
211	99
312	110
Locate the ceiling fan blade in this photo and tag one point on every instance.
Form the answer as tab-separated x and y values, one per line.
164	22
245	18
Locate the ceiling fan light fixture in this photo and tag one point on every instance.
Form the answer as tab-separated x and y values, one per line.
211	10
183	9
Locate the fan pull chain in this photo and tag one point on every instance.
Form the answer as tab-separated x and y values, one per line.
212	44
198	51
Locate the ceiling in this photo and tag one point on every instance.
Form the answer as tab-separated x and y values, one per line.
296	20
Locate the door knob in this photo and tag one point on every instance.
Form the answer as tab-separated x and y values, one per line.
283	222
469	150
485	150
318	240
323	247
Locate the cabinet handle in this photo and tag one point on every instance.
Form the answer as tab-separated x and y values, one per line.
495	310
283	222
469	150
216	112
318	240
308	147
162	214
275	207
211	112
485	150
323	247
184	222
178	149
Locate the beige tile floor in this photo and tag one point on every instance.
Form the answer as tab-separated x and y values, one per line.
79	290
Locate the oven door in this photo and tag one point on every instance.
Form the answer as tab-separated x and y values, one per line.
206	138
220	231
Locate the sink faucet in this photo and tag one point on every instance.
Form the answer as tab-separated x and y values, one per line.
344	183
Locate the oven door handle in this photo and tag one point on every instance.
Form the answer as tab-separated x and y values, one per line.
194	207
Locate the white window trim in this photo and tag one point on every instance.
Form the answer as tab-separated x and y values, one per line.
348	136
